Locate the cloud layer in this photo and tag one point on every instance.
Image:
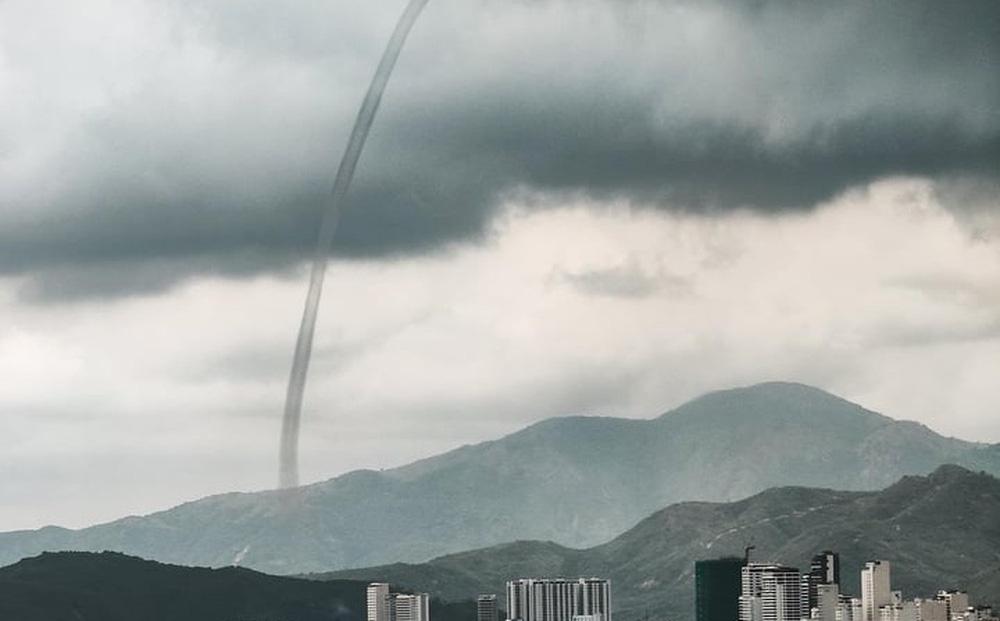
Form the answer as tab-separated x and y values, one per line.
149	143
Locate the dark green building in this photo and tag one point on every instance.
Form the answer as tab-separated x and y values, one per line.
717	589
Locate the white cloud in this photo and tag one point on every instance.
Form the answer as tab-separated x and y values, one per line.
881	297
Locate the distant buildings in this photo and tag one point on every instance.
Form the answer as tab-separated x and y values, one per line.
386	606
957	601
585	599
932	610
772	592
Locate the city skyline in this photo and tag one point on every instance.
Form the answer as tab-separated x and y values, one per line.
734	588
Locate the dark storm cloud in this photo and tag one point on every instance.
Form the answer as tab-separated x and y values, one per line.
702	107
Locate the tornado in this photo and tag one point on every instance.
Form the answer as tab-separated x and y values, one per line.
288	471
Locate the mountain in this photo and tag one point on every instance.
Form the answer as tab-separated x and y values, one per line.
87	586
940	531
577	481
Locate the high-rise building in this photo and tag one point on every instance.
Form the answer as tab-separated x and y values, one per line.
717	589
486	608
770	592
530	599
824	568
592	598
876	589
415	607
539	600
379	607
827	600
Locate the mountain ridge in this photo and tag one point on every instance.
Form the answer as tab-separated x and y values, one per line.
579	481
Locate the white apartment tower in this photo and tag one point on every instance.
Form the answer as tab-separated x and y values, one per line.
876	590
770	592
379	606
414	607
530	599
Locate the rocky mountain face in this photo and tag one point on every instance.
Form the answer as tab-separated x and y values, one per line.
578	481
940	531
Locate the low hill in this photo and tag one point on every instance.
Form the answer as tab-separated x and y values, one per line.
86	586
578	481
940	531
82	586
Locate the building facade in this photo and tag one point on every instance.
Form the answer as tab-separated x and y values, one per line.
876	589
827	602
824	568
486	608
386	606
379	607
957	602
717	589
415	607
530	599
770	592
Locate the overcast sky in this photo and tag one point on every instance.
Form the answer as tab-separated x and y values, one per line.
565	207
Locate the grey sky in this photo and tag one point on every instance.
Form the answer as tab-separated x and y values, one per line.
564	207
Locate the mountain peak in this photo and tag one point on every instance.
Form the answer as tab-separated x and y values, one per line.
762	401
948	473
946	476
